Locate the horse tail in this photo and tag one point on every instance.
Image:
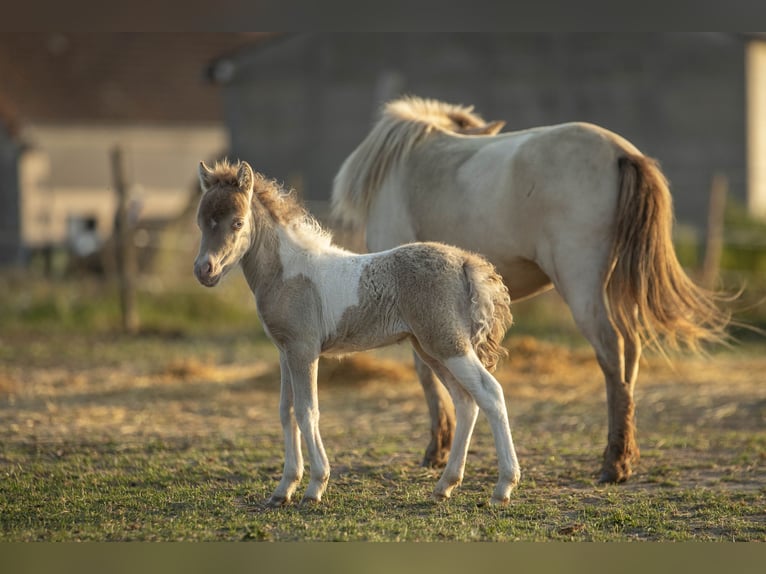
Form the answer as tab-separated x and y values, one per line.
648	292
490	310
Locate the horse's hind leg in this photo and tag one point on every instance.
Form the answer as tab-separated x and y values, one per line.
617	356
622	450
440	411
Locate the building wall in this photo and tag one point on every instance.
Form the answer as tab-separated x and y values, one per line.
10	232
756	128
67	178
298	106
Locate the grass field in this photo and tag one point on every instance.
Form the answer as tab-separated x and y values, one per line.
174	435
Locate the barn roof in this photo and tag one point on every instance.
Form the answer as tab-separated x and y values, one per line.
96	77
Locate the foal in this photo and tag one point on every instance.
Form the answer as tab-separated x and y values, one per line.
314	298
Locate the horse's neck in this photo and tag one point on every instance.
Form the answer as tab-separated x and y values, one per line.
261	264
281	252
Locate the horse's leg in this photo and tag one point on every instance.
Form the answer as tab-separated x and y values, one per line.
293	470
306	404
466	412
616	355
622	449
440	411
488	393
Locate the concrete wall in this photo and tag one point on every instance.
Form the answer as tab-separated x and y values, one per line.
298	106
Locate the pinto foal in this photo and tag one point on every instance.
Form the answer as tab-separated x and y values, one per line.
315	298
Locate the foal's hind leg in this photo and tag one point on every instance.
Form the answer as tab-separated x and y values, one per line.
440	411
470	384
488	393
466	412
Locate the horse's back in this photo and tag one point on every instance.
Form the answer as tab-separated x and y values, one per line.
521	198
502	195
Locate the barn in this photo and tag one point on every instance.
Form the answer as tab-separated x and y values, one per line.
67	100
297	105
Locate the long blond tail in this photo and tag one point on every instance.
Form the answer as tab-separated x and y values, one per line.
649	293
490	310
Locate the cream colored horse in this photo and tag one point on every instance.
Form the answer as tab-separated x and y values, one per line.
314	298
572	206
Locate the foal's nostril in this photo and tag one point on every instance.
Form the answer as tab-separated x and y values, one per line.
203	270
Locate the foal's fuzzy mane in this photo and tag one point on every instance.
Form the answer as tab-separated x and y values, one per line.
223	173
403	124
282	206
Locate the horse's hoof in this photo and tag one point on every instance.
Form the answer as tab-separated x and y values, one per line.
435	460
309	501
277	502
613	475
499	501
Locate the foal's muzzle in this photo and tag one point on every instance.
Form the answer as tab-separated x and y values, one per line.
206	273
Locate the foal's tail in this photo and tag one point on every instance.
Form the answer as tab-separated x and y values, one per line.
649	294
490	310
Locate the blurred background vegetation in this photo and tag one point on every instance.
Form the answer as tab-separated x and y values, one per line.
170	303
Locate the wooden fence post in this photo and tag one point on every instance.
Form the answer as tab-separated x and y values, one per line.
125	252
711	264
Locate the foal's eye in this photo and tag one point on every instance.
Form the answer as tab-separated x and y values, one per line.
237	224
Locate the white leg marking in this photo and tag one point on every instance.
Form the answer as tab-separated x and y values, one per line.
466	412
306	404
488	393
293	469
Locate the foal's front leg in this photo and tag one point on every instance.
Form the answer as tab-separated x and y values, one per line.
293	470
303	373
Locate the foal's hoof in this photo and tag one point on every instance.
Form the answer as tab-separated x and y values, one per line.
439	497
499	501
309	501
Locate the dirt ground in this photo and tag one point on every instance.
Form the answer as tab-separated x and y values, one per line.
700	420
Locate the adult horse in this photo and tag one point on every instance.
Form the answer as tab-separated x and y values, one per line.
571	206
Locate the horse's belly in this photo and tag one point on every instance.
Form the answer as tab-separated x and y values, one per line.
523	278
360	341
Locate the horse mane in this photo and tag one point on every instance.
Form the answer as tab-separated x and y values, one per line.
282	206
403	124
223	173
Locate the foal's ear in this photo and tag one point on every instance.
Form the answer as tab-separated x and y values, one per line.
245	178
490	129
204	173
